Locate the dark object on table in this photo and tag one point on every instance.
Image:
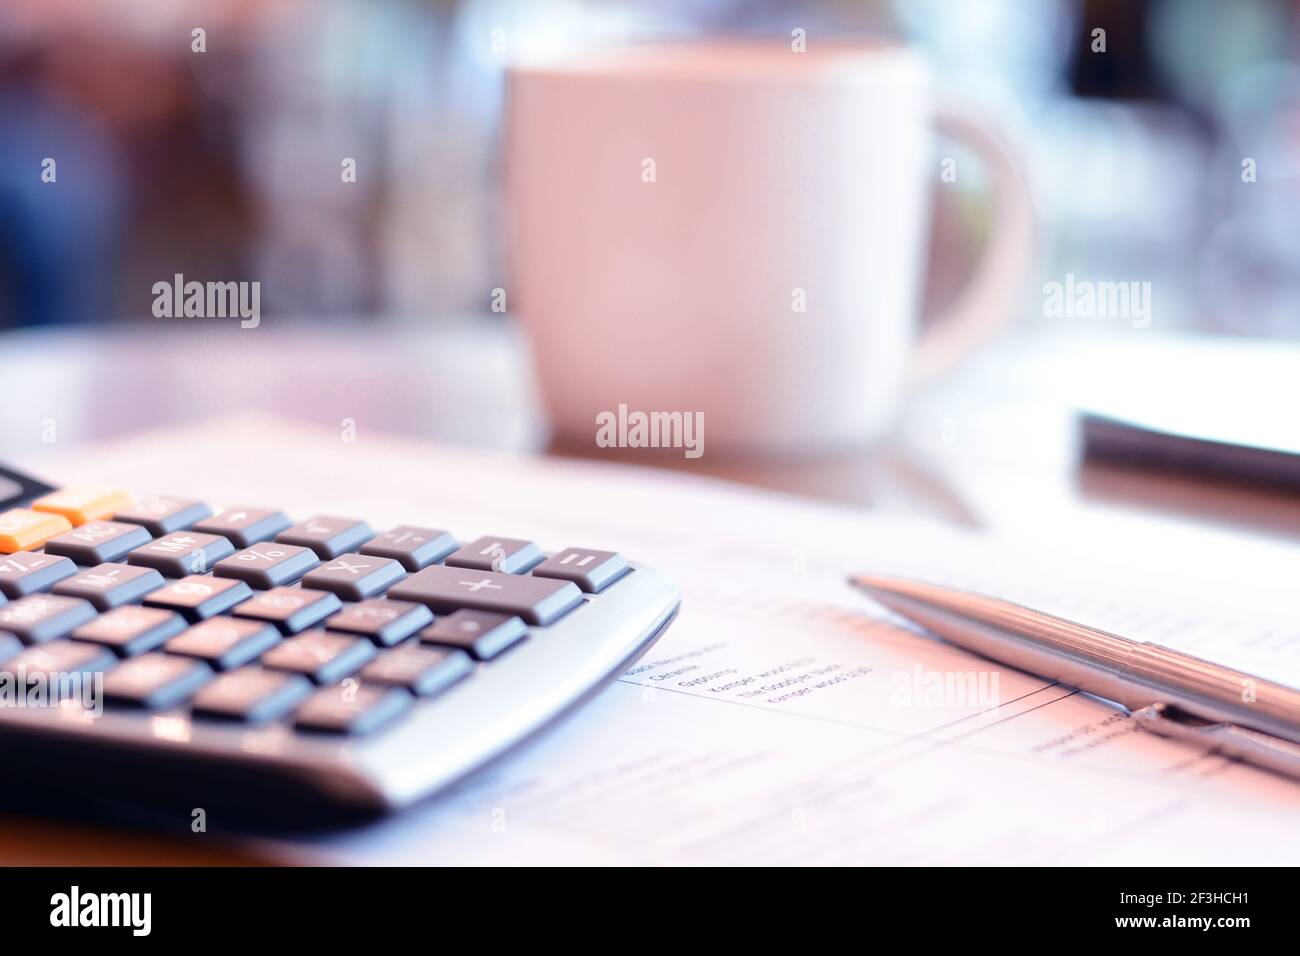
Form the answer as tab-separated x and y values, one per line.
1162	447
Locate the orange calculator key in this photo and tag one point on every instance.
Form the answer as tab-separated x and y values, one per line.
83	505
23	530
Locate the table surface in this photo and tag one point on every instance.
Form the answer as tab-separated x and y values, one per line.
995	446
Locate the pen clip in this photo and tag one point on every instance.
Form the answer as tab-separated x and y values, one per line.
1232	740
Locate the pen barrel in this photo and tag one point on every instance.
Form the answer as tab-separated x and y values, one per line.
1129	672
1138	674
1165	675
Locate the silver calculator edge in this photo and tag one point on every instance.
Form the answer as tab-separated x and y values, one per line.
123	754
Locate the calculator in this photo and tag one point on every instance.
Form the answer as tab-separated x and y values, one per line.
156	650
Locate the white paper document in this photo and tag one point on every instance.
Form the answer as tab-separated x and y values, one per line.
784	718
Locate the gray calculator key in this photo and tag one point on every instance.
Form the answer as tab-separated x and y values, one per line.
244	526
111	585
324	657
422	670
593	571
355	577
383	621
352	709
161	515
290	609
131	631
9	646
413	546
251	695
96	542
26	572
155	681
38	618
328	536
200	596
268	564
63	657
182	552
225	642
506	555
444	589
484	635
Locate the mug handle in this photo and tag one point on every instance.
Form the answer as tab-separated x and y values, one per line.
989	301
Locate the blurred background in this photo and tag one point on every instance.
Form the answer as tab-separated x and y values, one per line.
1174	156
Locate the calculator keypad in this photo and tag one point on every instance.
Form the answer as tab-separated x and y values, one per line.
490	553
199	596
111	585
26	572
23	529
161	516
593	571
424	671
383	621
131	630
98	541
290	609
321	656
328	537
10	646
38	618
225	642
155	681
267	565
445	589
355	577
240	615
62	657
415	548
482	634
244	526
252	695
352	708
83	505
180	553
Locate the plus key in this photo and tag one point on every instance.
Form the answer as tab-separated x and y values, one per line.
444	589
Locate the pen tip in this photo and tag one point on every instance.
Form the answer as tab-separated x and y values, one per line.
877	583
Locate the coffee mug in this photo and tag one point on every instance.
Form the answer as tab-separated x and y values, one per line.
735	233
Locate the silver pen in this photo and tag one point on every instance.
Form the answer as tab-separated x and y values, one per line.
1169	692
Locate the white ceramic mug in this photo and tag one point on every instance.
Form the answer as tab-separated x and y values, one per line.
739	231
